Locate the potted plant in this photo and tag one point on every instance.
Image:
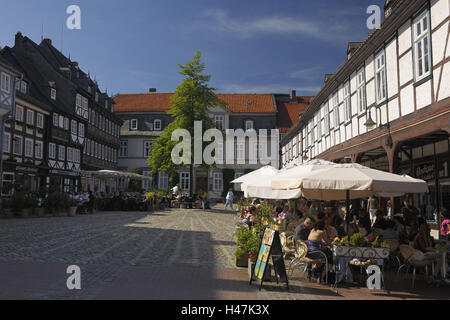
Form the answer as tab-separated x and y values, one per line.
29	203
8	208
72	207
56	202
247	244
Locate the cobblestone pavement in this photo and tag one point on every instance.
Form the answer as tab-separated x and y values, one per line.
174	254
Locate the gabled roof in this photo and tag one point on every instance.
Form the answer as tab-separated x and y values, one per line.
288	112
160	102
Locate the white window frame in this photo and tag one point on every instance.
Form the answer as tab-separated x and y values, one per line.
74	127
163	181
81	132
347	102
20	146
217	181
29	148
326	116
52	151
70	157
6	142
335	100
123	149
61	153
19	113
219	121
380	77
422	45
135	126
53	93
6	83
39	149
56	120
39	120
30	117
185	181
155	126
361	91
240	151
147	148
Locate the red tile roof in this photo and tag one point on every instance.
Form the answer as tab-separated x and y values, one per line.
159	102
288	113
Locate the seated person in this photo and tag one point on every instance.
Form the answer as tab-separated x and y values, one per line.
424	242
250	218
302	231
444	231
331	231
318	241
388	231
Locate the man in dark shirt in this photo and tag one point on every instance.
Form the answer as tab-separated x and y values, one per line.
301	232
409	213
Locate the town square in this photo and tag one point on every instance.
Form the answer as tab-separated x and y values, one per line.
225	151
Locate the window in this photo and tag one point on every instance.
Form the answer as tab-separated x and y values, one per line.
23	86
218	181
52	151
19	113
156	125
422	52
81	130
240	151
76	155
6	142
219	120
163	181
28	148
92	153
53	94
336	111
61	123
380	77
30	117
147	148
326	128
249	125
55	120
38	149
124	148
69	154
39	120
219	155
88	147
347	102
259	151
6	82
106	104
74	126
361	91
17	145
185	181
66	124
62	153
96	97
133	124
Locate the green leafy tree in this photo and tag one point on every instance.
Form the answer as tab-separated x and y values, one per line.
135	185
191	102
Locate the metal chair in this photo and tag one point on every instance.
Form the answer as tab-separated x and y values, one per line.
407	253
301	251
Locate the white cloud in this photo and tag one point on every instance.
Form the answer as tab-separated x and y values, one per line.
269	88
331	31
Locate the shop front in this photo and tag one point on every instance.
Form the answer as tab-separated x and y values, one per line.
64	181
23	177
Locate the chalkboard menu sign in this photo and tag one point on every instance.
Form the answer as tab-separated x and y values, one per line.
270	247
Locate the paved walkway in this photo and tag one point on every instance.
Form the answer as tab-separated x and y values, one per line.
174	254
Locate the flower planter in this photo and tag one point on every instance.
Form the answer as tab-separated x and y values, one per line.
267	272
39	212
25	213
72	211
361	252
242	261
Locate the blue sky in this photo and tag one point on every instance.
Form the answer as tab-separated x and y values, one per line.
248	46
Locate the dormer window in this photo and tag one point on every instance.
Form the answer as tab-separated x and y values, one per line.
53	93
5	82
134	124
157	125
21	86
249	125
96	97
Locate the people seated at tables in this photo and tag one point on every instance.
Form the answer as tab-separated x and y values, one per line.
292	224
302	231
313	211
250	217
318	240
278	208
444	231
424	242
388	231
330	229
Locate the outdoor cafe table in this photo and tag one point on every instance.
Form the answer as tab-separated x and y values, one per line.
350	253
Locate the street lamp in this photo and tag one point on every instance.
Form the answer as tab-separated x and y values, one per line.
370	124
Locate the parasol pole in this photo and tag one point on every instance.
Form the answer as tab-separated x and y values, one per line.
347	206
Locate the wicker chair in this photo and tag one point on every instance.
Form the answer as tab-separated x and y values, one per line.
394	246
287	244
300	259
409	261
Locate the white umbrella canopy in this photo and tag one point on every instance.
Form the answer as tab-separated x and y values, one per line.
350	181
263	190
299	171
257	175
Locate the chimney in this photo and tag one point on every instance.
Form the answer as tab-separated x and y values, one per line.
293	95
18	42
152	90
389	7
301	113
48	41
352	47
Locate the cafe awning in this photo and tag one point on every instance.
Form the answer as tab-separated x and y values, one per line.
116	174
